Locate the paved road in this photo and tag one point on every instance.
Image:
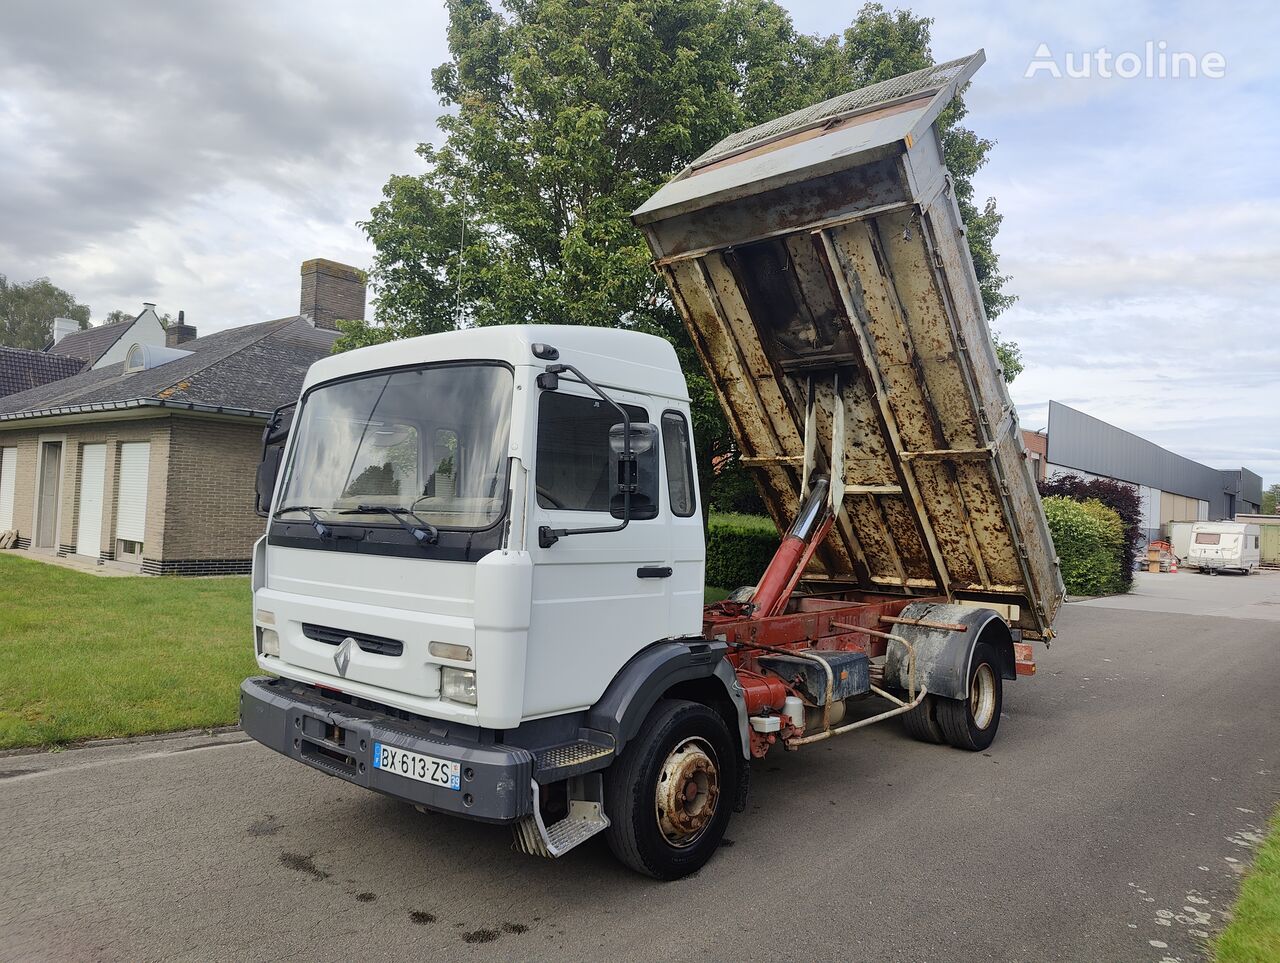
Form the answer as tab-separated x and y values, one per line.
1109	822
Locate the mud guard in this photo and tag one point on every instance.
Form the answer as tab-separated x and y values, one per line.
943	655
655	670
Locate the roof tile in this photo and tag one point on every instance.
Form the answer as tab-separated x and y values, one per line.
21	370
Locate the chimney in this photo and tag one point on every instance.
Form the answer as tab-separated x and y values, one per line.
63	327
149	306
179	332
331	292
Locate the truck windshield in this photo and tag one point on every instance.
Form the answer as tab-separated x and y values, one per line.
429	440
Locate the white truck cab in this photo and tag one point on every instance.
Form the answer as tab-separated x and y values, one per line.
453	431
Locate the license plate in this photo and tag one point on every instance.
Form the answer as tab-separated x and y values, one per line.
413	765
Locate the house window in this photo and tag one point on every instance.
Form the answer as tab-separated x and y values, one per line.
679	461
573	451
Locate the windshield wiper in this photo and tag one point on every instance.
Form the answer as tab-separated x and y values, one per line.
323	530
424	532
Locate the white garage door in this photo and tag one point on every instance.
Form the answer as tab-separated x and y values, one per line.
8	473
131	510
93	473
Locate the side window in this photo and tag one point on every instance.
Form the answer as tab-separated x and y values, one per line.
573	451
443	464
679	460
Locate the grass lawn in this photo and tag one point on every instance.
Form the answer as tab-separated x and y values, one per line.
84	657
1253	935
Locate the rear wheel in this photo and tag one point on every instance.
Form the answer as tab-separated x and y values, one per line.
669	797
972	723
921	722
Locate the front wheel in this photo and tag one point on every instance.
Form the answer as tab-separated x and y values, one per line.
666	797
972	723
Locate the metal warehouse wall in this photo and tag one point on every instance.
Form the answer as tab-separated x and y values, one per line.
1085	443
1246	486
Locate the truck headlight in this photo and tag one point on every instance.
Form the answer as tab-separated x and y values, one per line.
269	642
458	685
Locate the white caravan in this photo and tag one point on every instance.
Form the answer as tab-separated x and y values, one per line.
1225	546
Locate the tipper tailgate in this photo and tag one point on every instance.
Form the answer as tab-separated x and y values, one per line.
820	265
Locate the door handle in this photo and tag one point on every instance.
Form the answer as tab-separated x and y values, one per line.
654	571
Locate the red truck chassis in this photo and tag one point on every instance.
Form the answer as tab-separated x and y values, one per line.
777	621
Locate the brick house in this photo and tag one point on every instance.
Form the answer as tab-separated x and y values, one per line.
149	461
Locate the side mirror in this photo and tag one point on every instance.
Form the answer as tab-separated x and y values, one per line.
639	475
274	437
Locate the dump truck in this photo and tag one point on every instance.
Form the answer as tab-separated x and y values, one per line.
481	587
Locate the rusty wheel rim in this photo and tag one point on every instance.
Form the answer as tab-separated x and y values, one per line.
687	792
982	696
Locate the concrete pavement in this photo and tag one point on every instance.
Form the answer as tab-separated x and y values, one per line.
1110	821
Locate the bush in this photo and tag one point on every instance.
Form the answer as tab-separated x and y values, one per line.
1090	539
739	548
1120	497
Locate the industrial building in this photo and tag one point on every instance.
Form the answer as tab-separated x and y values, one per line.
1172	487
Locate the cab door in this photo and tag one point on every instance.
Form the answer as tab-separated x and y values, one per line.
597	598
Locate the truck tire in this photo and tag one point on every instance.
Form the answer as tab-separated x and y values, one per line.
972	723
670	795
921	722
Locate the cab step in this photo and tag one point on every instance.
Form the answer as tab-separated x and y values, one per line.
591	751
586	818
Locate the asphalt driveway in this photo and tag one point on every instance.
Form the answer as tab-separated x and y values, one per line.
1110	821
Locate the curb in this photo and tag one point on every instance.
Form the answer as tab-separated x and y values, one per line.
119	741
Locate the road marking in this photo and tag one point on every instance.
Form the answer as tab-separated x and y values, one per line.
97	763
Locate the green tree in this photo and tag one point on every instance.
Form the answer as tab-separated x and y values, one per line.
117	316
566	115
1269	499
27	311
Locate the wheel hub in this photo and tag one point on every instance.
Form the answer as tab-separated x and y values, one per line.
687	792
982	696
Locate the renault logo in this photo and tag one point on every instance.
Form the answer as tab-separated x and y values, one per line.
342	658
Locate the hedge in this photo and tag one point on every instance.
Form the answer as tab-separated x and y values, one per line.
1090	541
1120	496
738	549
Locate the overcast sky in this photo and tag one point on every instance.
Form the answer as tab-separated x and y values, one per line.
195	154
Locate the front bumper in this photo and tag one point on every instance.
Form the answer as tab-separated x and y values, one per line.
336	738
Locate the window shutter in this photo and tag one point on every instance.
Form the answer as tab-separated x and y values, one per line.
131	510
8	474
93	465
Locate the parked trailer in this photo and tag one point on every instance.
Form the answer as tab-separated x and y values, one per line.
1180	539
1225	547
480	590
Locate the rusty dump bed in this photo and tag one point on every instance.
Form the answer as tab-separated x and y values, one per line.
820	264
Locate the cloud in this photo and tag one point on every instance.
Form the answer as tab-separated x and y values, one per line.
140	142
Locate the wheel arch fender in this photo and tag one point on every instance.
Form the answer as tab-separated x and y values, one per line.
685	668
944	656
